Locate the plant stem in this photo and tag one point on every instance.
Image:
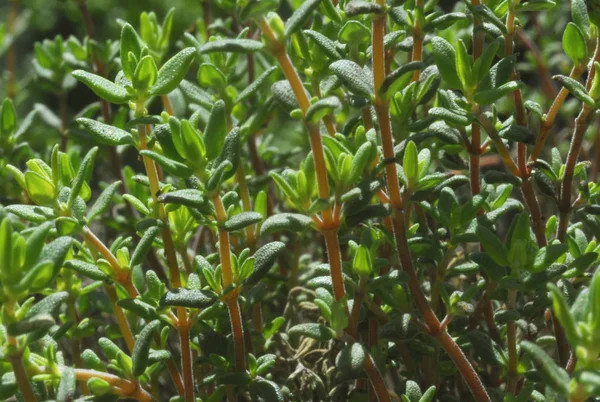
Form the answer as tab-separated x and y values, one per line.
16	359
550	117
418	36
11	62
183	323
511	340
330	225
231	298
121	319
433	324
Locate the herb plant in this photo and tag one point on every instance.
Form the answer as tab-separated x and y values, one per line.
302	200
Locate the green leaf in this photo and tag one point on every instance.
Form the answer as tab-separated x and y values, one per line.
145	74
313	330
464	67
563	313
594	302
444	56
102	87
130	43
321	108
574	44
139	308
40	189
493	246
143	246
216	129
175	168
105	133
536	5
209	76
351	359
86	269
449	116
265	258
364	155
515	132
353	77
487	14
410	164
258	8
429	395
553	375
67	386
579	12
181	297
83	175
359	7
30	324
361	263
576	88
232	46
103	201
8	118
189	197
284	95
546	256
268	390
285	221
299	17
254	86
482	65
241	220
324	43
141	349
173	72
285	187
492	95
32	213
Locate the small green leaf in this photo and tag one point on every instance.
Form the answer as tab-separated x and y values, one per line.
553	375
285	221
563	313
86	269
487	14
324	43
145	74
444	56
216	129
189	197
574	44
254	86
351	359
265	258
130	43
546	256
40	189
313	330
299	17
67	386
491	95
141	349
241	220
102	87
283	93
181	297
410	164
232	46
576	88
30	324
173	72
464	67
321	108
103	201
353	77
105	133
493	246
364	155
143	246
8	118
83	175
175	168
579	12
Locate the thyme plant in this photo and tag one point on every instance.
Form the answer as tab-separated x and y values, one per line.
318	200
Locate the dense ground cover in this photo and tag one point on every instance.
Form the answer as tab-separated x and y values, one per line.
300	201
